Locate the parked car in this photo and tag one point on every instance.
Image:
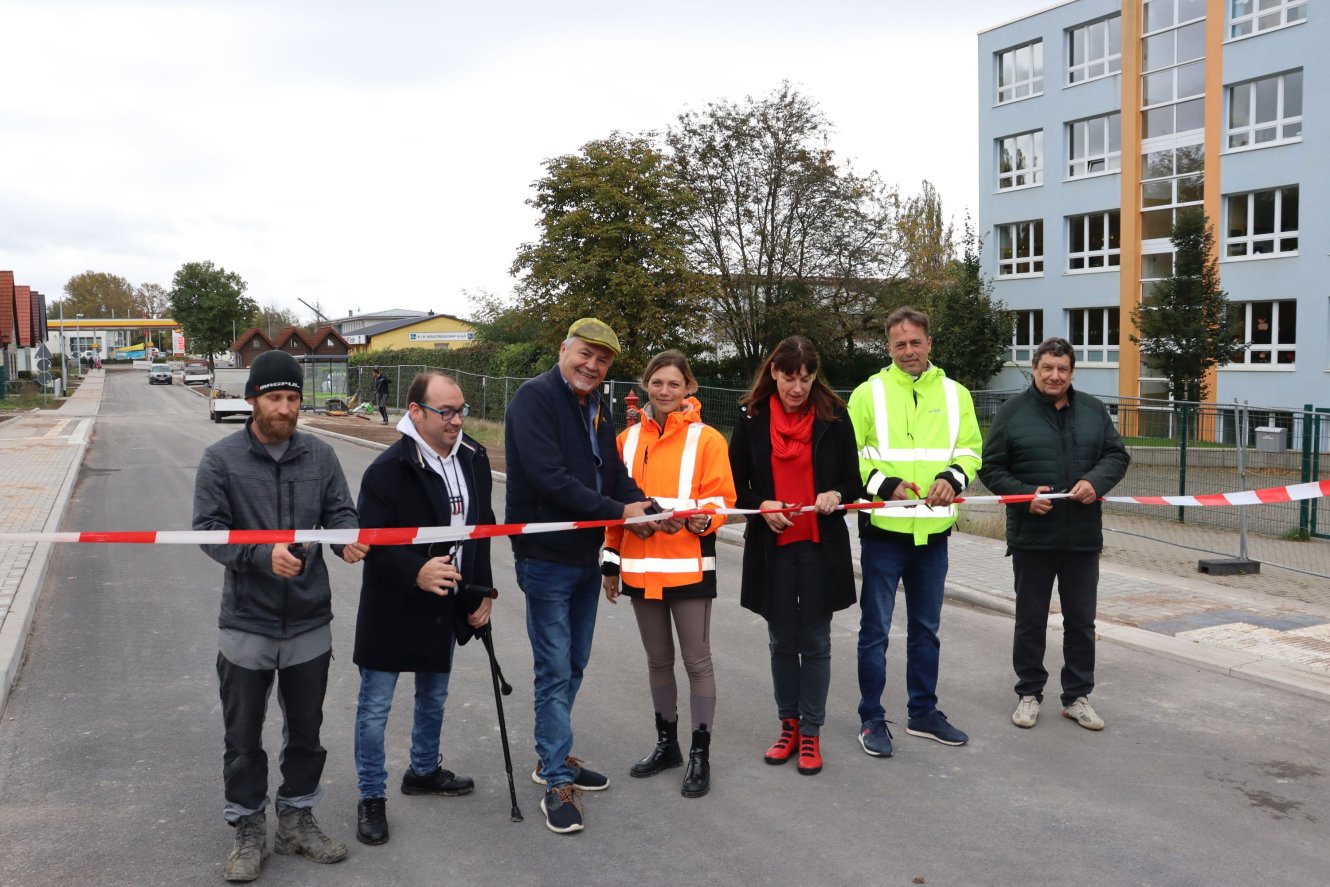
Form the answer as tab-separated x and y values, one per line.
196	373
159	372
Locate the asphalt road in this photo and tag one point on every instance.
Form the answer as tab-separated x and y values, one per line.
110	748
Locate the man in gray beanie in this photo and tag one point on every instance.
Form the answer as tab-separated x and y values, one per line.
275	612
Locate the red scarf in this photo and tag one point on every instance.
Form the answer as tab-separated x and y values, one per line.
792	468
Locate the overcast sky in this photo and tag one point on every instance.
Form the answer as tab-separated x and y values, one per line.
364	156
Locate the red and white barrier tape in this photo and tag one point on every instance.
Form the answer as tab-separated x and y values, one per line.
419	535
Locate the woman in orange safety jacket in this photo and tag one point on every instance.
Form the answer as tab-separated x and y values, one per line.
682	464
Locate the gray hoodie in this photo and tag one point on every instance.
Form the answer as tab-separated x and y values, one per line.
240	487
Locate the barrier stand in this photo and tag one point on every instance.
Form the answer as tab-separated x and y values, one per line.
1241	565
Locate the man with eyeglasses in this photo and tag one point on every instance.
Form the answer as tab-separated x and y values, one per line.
564	465
410	618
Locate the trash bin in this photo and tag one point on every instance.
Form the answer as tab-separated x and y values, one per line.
1271	439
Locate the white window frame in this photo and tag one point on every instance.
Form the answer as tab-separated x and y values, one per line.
1176	181
1098	353
1250	241
1253	19
1105	155
1030	322
1286	128
1034	150
1249	358
1028	87
1010	266
1107	61
1109	256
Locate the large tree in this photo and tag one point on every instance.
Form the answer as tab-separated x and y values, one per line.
793	242
152	300
98	294
272	319
209	303
611	245
1185	324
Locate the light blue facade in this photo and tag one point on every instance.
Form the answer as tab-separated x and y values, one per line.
1297	373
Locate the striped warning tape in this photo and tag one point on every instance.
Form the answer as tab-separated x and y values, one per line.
421	535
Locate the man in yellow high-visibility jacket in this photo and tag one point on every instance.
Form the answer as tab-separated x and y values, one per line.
918	439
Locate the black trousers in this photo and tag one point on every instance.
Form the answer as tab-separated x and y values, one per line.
1077	575
799	635
245	693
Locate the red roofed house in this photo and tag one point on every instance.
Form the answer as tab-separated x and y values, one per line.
251	344
8	347
292	342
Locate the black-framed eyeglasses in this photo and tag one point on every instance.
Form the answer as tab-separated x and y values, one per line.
447	413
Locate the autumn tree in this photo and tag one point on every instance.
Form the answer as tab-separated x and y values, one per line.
98	294
272	319
1185	324
208	303
611	246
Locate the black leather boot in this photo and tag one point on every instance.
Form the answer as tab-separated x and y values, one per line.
665	755
697	778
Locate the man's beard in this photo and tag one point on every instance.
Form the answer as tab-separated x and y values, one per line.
275	429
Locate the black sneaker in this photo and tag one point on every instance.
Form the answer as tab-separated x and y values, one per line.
584	779
436	782
562	807
372	821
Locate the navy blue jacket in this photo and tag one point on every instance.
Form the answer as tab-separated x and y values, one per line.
552	470
400	627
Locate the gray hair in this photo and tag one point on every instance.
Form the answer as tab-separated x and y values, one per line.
1054	346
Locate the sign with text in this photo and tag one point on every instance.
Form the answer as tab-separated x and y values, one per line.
441	337
177	341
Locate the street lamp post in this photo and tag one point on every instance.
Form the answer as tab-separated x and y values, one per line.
64	352
77	335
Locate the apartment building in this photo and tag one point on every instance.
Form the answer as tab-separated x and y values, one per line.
1099	121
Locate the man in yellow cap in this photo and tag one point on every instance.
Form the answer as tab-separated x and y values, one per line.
563	465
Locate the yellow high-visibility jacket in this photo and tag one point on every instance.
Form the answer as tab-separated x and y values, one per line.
914	431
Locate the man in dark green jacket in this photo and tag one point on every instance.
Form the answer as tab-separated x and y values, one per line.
1054	439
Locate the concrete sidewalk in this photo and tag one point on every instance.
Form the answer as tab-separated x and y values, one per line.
1241	632
40	455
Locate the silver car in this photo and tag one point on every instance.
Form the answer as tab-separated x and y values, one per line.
159	372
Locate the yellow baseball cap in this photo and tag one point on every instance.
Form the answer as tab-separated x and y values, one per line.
594	332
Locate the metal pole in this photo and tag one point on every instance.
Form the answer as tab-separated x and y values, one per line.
1182	460
64	353
1242	478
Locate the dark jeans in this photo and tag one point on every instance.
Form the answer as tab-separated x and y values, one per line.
799	630
1077	575
245	692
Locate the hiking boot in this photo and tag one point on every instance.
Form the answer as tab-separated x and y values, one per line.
584	779
562	807
697	778
787	744
298	832
1027	712
875	739
666	754
436	782
372	821
935	726
810	755
1082	713
250	848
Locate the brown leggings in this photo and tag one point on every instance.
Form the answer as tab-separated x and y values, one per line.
692	620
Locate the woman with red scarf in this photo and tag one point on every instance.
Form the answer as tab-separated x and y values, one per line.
794	445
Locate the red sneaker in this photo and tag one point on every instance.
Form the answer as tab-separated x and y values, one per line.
810	755
785	747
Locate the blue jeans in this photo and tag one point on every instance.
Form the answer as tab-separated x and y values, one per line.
560	620
376	700
923	571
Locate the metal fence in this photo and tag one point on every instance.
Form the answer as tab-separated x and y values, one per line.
1176	448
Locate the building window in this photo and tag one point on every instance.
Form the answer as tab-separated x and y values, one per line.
1021	72
1094	145
1027	332
1093	241
1271	331
1161	14
1021	160
1262	223
1094	332
1094	50
1253	16
1265	111
1021	248
1171	178
1173	67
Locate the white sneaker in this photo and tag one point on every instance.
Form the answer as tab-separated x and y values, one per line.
1081	712
1027	712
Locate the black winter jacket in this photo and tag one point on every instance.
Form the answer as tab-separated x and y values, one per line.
1028	447
238	486
552	470
400	627
835	467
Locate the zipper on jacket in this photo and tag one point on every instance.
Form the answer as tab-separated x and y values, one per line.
286	583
